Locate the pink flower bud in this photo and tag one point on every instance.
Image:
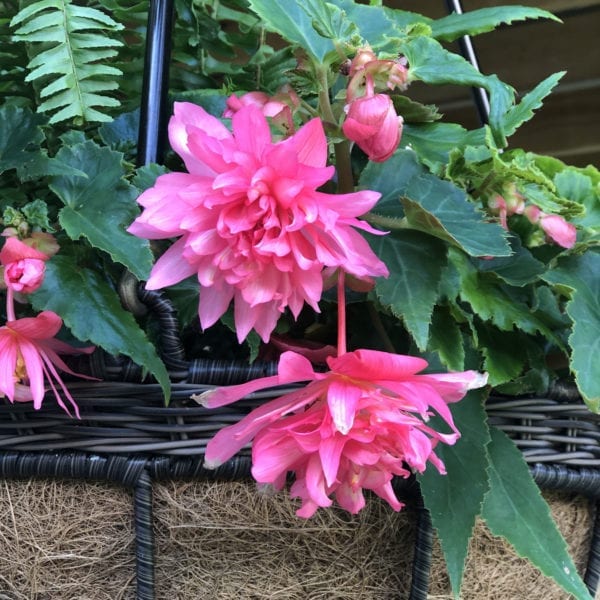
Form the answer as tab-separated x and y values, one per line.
559	230
24	266
373	124
25	275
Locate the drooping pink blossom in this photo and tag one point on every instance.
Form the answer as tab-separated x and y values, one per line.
251	224
24	266
559	230
352	428
555	227
372	123
29	359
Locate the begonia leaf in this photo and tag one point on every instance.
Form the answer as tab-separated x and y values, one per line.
291	21
21	138
523	111
498	303
431	63
445	338
101	205
474	22
433	142
515	510
92	310
432	205
579	278
520	268
504	351
454	500
415	261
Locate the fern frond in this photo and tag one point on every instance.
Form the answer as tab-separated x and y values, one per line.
69	43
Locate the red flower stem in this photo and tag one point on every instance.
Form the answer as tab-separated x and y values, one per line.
341	297
10	305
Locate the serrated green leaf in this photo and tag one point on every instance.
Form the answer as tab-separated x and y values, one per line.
291	22
495	302
454	500
514	509
474	22
579	278
433	142
415	261
91	309
415	112
522	112
145	177
445	338
21	138
432	205
86	213
504	352
329	21
575	185
431	63
520	268
379	25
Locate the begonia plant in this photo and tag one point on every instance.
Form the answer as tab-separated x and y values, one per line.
309	211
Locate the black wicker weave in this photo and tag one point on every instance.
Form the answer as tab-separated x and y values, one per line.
127	435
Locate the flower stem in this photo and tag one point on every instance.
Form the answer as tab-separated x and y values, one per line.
10	305
342	149
341	315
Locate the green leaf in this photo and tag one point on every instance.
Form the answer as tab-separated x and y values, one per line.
431	205
379	25
523	111
290	20
329	21
454	500
520	268
445	338
504	351
433	142
515	510
86	213
21	138
91	309
431	63
579	278
415	112
443	210
70	45
474	22
575	185
415	262
497	303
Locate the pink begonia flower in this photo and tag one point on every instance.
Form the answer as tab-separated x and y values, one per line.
372	123
251	224
555	227
24	266
29	356
351	428
559	230
279	107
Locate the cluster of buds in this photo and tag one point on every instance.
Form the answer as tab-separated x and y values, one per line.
555	227
371	119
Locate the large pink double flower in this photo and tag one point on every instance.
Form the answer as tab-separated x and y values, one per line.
250	221
351	428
